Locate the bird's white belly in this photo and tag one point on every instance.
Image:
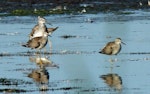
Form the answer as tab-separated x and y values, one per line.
38	34
115	52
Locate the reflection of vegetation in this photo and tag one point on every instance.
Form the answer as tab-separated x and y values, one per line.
12	90
15	82
5	81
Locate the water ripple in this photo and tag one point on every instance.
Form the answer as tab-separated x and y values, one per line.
9	33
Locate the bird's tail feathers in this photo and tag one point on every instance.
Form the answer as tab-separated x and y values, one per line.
56	28
100	52
25	45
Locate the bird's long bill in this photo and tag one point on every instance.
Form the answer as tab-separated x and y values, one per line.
123	43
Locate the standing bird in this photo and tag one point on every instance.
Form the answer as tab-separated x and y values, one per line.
38	29
37	42
112	48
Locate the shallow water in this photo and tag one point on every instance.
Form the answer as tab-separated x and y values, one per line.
80	65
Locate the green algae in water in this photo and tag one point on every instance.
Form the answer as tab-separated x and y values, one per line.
42	12
20	12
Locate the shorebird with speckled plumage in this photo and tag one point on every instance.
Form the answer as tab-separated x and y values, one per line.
37	42
51	30
40	28
38	31
112	48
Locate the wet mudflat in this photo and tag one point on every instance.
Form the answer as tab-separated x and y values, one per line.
77	67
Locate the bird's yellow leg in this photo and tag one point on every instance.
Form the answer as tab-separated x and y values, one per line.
44	51
50	45
41	63
111	67
111	61
37	53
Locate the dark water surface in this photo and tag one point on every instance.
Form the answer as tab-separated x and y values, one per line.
75	47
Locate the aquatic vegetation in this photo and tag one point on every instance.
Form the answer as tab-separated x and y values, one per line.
42	12
13	90
6	81
27	8
14	82
20	12
123	13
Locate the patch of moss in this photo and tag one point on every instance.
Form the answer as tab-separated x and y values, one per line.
20	12
105	8
56	12
40	12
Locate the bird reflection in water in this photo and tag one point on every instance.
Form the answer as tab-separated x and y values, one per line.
41	77
113	80
43	62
